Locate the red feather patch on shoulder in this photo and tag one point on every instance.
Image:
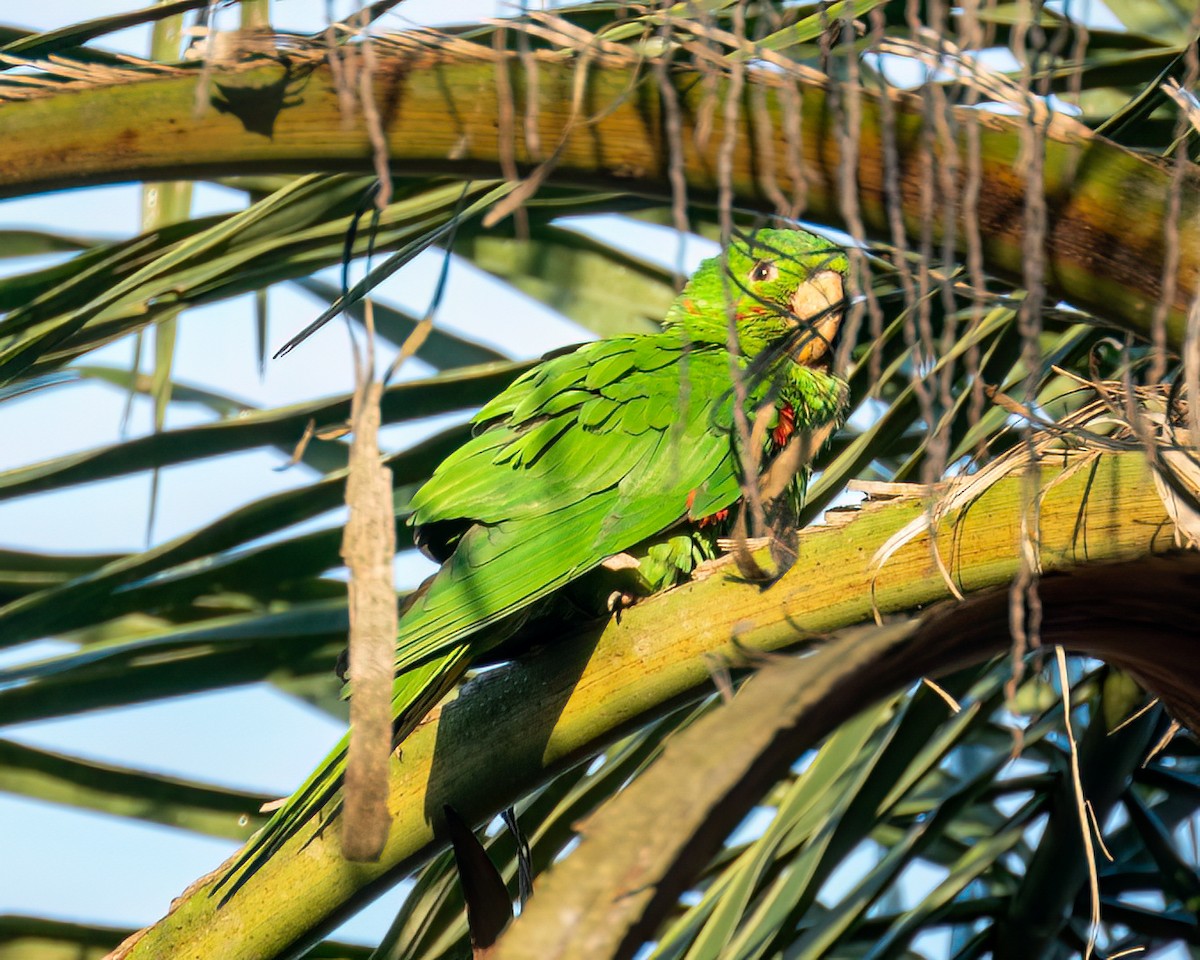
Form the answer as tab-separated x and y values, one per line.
713	518
785	426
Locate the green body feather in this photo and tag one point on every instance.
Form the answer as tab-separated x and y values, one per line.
620	445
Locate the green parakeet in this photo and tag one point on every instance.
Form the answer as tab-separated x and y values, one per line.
625	445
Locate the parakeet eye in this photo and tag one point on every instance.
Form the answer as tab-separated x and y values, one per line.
763	272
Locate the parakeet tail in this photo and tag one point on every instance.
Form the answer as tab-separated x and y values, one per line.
415	692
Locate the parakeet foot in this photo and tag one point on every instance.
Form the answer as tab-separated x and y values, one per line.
630	566
620	600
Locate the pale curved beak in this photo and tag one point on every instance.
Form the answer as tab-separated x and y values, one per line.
820	297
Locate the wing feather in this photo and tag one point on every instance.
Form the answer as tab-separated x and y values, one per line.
562	482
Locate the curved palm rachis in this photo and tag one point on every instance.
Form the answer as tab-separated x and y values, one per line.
611	448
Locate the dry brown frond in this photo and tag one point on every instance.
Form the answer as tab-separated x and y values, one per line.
1103	425
56	74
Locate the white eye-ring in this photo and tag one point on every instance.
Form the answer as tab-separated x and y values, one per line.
763	272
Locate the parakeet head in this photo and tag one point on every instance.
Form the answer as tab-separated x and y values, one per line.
783	288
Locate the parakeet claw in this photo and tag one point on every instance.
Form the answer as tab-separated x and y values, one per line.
619	600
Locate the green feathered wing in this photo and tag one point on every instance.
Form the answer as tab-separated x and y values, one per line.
588	455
